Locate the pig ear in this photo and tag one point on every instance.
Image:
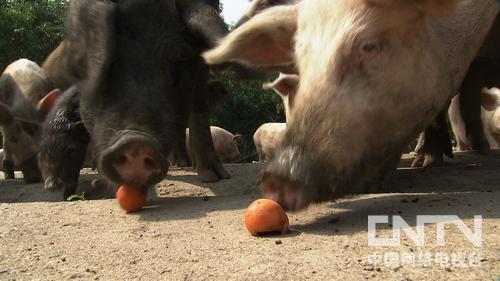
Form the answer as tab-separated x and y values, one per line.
490	98
236	138
265	40
428	7
46	103
5	115
203	20
284	85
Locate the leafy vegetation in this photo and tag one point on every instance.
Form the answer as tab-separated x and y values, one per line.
30	29
77	197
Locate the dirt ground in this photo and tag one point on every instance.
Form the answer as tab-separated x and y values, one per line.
194	231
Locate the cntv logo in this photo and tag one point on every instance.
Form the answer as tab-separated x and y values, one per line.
418	236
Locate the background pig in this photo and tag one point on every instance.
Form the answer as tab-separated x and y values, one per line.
267	139
286	87
364	91
466	110
490	101
22	85
141	84
225	143
268	136
490	115
63	144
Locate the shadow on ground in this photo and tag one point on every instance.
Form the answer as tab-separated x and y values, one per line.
442	190
351	215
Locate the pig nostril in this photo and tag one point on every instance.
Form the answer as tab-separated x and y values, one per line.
121	159
150	163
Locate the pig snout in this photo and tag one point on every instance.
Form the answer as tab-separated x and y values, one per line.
287	179
134	160
53	184
291	196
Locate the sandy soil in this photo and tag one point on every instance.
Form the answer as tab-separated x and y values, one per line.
192	231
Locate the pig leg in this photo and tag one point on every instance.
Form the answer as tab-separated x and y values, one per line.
180	154
8	169
180	157
433	143
71	182
191	155
208	165
8	164
383	183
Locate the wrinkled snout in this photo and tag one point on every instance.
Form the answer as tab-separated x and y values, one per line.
288	179
291	196
53	184
133	160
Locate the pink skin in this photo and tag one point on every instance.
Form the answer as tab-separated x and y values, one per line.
136	165
490	115
225	143
267	139
290	196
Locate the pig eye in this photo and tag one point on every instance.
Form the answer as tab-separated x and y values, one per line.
370	47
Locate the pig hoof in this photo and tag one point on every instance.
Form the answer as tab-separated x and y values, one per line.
207	175
222	173
418	161
427	160
432	160
8	169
